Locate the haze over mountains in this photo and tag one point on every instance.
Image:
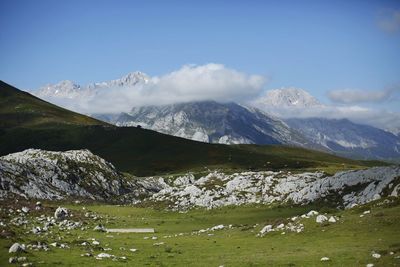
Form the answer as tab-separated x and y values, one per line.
279	116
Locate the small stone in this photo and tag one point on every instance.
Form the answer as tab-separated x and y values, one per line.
332	219
12	260
370	265
25	209
21	259
86	255
104	255
325	259
133	249
96	243
367	212
376	255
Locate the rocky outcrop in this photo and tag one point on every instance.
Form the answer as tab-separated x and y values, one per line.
41	174
216	189
79	173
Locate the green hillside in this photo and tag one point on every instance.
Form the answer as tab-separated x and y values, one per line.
28	122
21	109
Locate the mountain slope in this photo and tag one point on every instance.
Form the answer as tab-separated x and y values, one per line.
349	139
209	121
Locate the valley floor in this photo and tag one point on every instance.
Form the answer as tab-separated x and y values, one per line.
351	241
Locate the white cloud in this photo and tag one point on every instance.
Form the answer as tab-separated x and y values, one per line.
389	20
189	83
379	118
351	96
357	96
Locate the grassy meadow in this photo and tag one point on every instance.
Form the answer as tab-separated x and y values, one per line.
348	242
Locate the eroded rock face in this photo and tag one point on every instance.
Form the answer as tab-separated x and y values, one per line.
218	189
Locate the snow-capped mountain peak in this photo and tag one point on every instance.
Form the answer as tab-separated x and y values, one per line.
69	90
63	89
288	97
129	80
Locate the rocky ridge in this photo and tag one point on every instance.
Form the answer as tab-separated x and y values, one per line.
218	189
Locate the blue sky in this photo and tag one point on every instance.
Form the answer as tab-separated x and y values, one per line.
315	45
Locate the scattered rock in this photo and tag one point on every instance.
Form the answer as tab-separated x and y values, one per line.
61	213
25	209
325	259
376	255
266	229
321	219
217	227
370	265
16	247
312	213
87	255
332	219
99	228
104	255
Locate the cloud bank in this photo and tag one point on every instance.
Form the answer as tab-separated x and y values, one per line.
189	83
352	96
382	119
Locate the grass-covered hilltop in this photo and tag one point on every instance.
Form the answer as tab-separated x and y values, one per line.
78	191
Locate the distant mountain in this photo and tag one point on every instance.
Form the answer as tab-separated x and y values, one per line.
347	138
209	121
287	98
70	90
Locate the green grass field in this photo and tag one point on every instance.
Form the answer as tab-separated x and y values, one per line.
349	242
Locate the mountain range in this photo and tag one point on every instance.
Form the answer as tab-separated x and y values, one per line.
232	123
29	122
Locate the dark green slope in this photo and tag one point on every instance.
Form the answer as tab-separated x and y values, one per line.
28	122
